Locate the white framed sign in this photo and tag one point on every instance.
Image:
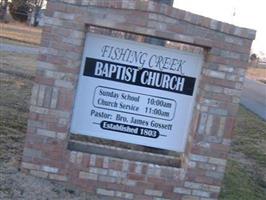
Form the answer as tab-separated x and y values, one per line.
135	92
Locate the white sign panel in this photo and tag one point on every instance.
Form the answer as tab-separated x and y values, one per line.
136	93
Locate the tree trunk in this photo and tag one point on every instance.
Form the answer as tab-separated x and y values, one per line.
36	12
3	14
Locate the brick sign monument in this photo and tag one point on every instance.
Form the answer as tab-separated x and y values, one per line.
135	99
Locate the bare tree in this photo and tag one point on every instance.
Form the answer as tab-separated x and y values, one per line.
36	6
3	9
19	10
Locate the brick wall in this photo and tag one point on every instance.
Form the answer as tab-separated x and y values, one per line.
46	154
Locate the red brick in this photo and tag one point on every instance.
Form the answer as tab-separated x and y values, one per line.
229	125
115	164
112	186
165	187
143	197
136	177
171	195
65	100
43	80
99	162
214	150
219	82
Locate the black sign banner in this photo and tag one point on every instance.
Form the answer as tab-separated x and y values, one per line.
143	77
129	129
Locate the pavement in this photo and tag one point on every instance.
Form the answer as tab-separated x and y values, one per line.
18	49
254	97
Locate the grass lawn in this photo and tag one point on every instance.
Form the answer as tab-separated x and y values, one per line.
15	91
245	177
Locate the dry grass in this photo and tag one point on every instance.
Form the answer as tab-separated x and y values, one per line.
16	79
20	32
25	60
16	42
9	63
256	73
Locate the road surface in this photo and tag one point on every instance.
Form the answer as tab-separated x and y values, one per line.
254	97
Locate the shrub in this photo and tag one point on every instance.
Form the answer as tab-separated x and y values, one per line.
19	10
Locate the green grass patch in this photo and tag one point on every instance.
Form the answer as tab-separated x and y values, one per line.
250	138
245	176
239	185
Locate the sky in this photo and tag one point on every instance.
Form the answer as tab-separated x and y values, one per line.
243	13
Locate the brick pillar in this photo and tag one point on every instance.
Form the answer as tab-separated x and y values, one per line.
226	55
